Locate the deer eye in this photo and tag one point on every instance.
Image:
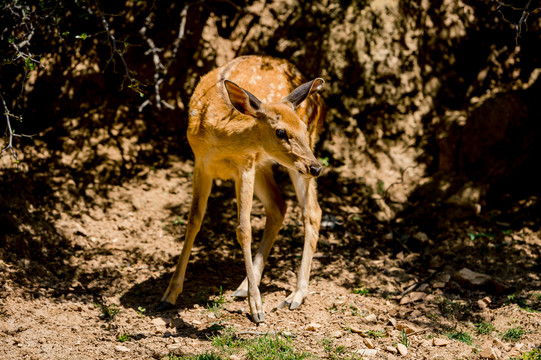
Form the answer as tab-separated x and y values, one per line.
282	134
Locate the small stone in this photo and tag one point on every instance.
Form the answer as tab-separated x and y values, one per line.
412	297
392	321
355	329
440	342
369	344
391	349
122	348
370	318
402	349
336	334
406	327
484	302
488	352
366	352
421	236
312	327
439	285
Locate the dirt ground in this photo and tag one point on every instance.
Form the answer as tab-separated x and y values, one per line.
65	259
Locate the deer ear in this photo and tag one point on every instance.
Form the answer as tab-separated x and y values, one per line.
242	100
298	95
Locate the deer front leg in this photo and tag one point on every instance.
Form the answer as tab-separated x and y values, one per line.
311	213
245	195
275	208
202	184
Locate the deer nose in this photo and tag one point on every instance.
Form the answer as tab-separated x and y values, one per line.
315	170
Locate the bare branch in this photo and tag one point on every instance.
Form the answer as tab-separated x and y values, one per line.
162	69
134	83
522	21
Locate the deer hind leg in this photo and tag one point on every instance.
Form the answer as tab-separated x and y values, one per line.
245	195
311	214
275	208
202	184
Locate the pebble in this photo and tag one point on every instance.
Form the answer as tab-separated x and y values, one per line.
312	327
355	329
407	327
412	297
391	349
440	342
484	302
369	344
402	349
366	352
370	318
488	352
122	348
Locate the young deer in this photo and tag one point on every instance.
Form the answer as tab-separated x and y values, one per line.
235	134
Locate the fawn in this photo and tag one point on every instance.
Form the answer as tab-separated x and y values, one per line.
237	135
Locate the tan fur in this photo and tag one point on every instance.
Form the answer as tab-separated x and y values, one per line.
243	146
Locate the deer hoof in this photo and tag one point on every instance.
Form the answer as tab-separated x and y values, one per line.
259	317
164	305
294	305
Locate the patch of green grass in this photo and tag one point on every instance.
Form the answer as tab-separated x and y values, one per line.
227	339
356	312
455	308
534	354
217	304
361	291
513	334
264	347
333	352
530	304
474	236
123	337
484	328
374	334
108	312
203	356
462	336
274	348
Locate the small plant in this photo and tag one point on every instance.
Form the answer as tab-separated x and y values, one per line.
484	328
141	311
374	334
123	337
217	304
179	221
534	354
361	291
108	312
404	338
462	336
333	352
474	236
355	311
513	334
